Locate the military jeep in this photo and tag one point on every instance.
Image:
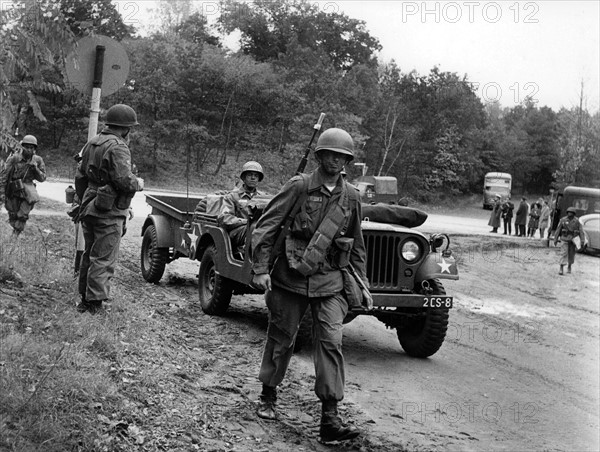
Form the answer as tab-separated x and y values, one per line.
404	267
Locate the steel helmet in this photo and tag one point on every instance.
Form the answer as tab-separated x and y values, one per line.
29	139
121	115
572	209
253	166
336	140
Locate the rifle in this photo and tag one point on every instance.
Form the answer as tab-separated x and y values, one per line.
290	217
304	160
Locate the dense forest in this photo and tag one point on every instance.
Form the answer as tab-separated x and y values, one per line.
206	109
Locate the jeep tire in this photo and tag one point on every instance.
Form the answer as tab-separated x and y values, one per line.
214	291
423	336
153	259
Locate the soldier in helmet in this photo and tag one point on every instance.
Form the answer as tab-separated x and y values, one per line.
568	228
105	184
322	239
17	183
235	211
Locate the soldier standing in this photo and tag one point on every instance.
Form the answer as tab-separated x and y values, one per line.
105	185
17	184
323	238
568	228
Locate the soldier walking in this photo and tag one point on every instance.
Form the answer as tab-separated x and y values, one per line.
105	185
17	183
568	228
323	238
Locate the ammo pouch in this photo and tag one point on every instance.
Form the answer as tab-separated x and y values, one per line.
341	251
294	251
124	200
105	198
16	189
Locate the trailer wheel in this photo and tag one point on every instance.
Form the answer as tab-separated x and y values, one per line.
153	259
214	291
424	335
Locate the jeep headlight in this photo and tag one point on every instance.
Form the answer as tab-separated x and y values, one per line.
411	251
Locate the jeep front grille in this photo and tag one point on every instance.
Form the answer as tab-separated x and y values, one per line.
385	267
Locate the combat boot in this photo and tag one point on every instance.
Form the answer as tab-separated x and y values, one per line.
93	307
266	404
332	428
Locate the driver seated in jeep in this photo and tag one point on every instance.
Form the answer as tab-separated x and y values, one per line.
237	205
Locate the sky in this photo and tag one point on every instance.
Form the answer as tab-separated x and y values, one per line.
509	49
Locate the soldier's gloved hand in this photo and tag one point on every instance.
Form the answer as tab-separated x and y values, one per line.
262	282
140	182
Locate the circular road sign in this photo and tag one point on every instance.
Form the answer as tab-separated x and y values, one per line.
80	65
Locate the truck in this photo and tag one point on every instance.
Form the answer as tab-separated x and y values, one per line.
404	267
586	200
376	189
496	183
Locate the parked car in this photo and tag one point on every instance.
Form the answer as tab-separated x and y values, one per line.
591	231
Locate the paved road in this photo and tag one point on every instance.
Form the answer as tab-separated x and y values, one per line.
435	223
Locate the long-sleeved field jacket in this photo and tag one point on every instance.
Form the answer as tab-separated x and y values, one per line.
327	280
106	165
234	211
17	167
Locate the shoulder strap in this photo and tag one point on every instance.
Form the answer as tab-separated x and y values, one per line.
288	220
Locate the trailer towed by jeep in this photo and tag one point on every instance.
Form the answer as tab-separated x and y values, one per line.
404	268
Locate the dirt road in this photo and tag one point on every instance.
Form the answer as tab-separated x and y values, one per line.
519	369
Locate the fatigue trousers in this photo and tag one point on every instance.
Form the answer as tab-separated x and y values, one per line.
18	212
102	237
238	237
567	252
286	310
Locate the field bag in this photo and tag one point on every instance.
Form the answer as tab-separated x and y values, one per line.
352	290
393	214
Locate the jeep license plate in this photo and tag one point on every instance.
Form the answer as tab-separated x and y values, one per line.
434	301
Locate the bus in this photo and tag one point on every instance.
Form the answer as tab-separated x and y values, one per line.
496	184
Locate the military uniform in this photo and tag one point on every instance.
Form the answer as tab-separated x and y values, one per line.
293	292
235	213
567	230
19	204
105	184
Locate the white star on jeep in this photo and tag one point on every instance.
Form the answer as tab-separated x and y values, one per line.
193	237
444	266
